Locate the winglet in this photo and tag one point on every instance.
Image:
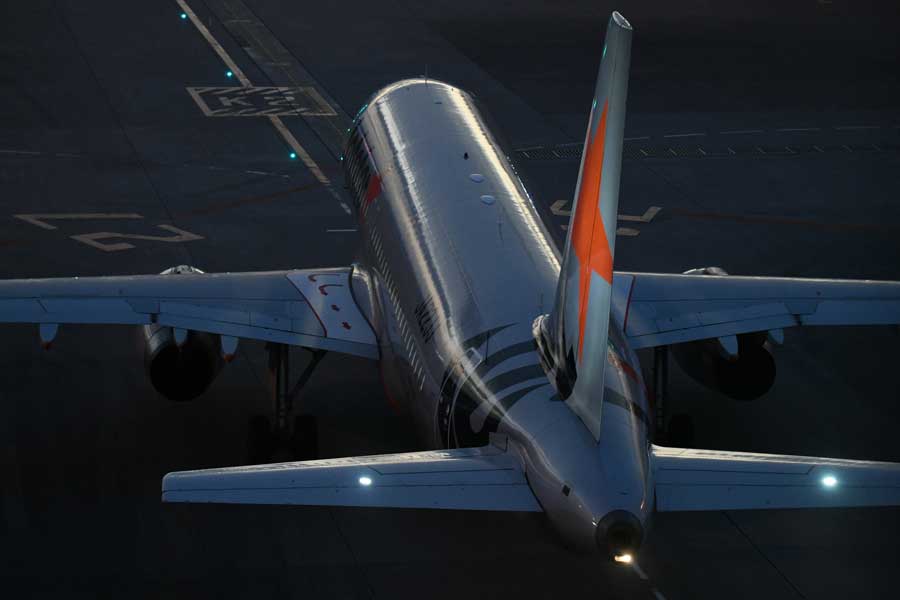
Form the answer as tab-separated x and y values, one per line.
577	329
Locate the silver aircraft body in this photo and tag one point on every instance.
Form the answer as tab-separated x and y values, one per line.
516	361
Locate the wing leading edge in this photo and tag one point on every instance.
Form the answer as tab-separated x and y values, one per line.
485	478
689	479
313	308
658	309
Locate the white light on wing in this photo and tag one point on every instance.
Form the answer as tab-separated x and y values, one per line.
622	558
365	480
829	481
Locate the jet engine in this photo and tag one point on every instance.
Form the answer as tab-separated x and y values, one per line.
741	367
181	364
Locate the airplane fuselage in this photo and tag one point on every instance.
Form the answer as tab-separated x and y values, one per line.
460	265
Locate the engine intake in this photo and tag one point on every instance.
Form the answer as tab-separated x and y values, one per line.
181	368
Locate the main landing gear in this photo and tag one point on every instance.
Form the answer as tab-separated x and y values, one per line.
679	430
285	436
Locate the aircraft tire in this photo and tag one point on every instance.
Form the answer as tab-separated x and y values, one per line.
260	440
305	438
681	431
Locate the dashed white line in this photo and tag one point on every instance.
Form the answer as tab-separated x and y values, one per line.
737	131
799	129
640	573
340	230
276	121
28	152
852	127
680	135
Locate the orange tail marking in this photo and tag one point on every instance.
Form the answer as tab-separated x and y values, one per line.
589	239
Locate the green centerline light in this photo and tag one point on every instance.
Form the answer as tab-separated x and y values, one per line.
293	155
229	74
183	16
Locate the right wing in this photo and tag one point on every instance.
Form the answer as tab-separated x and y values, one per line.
485	478
313	308
658	309
688	479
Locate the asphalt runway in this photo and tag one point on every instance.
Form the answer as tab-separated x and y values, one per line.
769	138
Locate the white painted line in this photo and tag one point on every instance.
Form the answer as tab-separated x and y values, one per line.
627	232
852	127
232	66
276	121
28	152
738	131
640	137
340	230
799	129
258	173
680	135
658	594
637	569
38	219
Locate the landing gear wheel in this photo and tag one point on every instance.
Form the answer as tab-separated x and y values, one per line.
305	438
681	431
260	440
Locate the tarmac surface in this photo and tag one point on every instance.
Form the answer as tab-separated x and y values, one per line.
768	138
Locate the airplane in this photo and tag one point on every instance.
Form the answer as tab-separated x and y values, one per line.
517	361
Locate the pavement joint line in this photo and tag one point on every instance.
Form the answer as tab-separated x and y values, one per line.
276	121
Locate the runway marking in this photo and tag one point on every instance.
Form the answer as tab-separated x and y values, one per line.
558	209
24	152
738	131
800	129
39	220
854	127
681	135
260	101
92	239
631	139
643	576
276	121
340	230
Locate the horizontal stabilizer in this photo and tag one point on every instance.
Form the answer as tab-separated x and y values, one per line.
470	479
689	479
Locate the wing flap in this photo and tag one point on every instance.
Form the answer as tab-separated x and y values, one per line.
470	479
688	479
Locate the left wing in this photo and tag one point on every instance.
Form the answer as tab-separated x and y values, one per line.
658	309
689	479
485	478
313	308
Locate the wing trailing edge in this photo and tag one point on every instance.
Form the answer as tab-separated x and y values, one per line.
485	478
688	479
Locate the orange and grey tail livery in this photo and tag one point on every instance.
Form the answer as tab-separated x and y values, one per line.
579	323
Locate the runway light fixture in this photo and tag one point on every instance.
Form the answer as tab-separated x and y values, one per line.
293	155
623	558
183	16
829	481
364	481
229	74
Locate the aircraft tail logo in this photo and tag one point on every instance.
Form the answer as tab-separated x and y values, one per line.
577	329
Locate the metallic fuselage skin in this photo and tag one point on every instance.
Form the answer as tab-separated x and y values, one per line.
459	265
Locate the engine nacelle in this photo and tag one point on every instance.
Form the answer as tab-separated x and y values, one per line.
741	367
745	376
181	364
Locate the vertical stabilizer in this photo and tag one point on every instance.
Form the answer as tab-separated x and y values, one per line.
575	333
